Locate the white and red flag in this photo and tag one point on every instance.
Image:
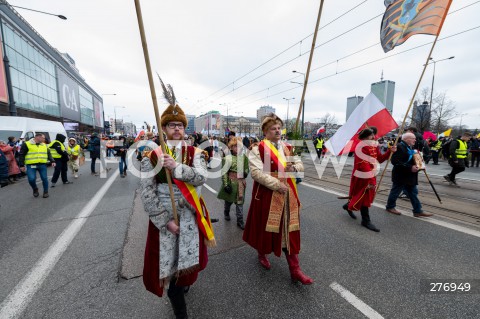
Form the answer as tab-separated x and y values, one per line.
370	112
321	130
139	136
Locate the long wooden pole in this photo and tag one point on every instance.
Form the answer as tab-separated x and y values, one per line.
154	100
309	65
400	132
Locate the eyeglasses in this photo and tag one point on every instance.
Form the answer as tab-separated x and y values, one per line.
173	125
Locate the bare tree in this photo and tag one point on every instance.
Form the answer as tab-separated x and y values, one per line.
443	111
328	120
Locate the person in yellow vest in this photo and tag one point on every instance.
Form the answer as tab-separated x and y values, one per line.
34	155
435	148
457	157
319	145
60	155
73	150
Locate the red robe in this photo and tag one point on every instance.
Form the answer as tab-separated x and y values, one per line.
359	194
151	267
254	234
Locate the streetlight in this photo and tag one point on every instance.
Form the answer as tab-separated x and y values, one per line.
433	81
52	14
115	112
288	106
303	104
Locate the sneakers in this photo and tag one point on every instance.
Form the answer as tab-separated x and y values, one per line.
45	195
53	185
67	182
447	178
35	192
95	173
76	176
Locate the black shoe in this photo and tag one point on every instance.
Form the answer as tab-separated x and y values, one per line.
213	220
53	185
67	182
227	217
370	226
45	195
349	211
447	178
241	225
35	192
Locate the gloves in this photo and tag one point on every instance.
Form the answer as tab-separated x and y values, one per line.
245	175
228	189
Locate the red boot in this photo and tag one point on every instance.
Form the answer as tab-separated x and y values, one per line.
264	261
295	272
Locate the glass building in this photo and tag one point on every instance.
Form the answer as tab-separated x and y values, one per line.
38	81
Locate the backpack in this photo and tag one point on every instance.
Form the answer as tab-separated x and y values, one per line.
446	148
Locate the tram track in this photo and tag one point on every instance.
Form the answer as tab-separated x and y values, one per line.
460	204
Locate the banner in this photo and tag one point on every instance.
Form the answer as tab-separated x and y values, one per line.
69	96
3	80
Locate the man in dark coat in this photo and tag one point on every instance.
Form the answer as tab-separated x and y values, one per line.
94	148
405	176
3	170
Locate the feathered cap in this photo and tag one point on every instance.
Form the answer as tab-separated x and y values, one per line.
269	120
173	111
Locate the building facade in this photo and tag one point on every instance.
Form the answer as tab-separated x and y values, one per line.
385	92
190	129
352	103
210	123
37	81
264	110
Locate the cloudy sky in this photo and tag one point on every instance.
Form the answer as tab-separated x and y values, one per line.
240	54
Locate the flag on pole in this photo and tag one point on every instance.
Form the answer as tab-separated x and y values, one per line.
370	112
139	135
321	130
404	18
446	133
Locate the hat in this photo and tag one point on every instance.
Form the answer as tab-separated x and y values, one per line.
71	138
173	113
269	120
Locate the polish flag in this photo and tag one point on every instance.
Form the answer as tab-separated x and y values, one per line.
321	130
370	112
139	136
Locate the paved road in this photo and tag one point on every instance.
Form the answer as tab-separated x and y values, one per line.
358	273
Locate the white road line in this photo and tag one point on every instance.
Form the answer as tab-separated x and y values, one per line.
354	301
19	298
210	189
464	230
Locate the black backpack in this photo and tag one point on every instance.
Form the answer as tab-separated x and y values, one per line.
446	147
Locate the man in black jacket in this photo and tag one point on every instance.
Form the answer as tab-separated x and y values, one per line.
60	155
405	177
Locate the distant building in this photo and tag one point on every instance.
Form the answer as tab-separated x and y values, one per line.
209	123
264	110
190	124
384	91
352	103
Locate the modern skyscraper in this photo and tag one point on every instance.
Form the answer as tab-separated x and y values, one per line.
384	91
264	110
352	103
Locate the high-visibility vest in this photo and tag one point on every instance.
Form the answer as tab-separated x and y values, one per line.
461	151
437	146
54	151
75	151
319	143
37	154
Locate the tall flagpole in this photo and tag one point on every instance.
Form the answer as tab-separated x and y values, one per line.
402	127
154	100
309	64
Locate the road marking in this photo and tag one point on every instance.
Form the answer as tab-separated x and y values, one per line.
354	301
210	189
19	298
462	229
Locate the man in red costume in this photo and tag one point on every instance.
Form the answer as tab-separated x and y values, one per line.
273	222
363	182
174	254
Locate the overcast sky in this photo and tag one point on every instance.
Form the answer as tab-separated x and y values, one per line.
200	47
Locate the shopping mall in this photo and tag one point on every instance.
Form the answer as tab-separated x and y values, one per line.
38	81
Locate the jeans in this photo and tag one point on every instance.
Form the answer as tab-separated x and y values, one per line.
32	176
92	164
410	190
122	165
